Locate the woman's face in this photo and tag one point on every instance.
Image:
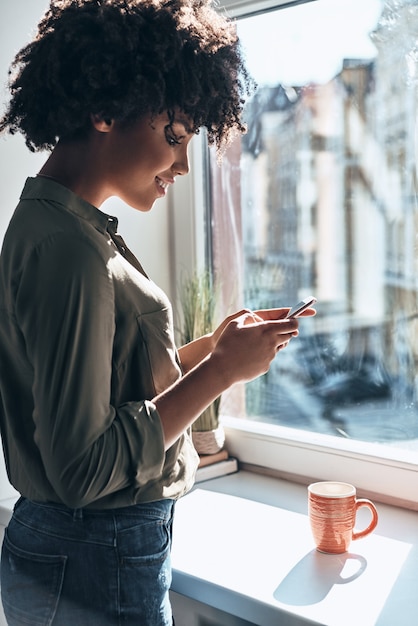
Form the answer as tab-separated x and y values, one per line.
142	160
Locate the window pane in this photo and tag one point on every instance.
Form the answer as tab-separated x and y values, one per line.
320	198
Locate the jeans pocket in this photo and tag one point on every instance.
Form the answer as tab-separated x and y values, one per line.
146	544
30	585
145	574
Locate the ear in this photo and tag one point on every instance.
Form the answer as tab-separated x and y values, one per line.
103	125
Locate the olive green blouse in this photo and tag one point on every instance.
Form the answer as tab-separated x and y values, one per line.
86	342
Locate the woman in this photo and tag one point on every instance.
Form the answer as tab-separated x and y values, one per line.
96	401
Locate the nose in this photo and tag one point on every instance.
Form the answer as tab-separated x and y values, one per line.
180	166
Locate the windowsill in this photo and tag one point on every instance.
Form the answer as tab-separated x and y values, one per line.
384	473
242	544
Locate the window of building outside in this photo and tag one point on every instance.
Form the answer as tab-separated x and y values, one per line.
319	197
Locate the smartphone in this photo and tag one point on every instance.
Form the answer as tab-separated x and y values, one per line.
301	306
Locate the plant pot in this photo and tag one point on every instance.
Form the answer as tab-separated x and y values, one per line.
209	441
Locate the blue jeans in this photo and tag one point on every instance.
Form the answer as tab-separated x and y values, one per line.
70	567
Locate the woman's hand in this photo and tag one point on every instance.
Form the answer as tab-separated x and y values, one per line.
195	351
246	344
251	317
240	349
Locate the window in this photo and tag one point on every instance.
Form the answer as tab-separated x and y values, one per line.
320	197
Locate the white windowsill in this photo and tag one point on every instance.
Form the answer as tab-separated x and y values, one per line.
242	544
386	473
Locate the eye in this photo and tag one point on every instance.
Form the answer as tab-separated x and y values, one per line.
171	137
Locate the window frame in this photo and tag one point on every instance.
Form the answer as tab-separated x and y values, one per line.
385	472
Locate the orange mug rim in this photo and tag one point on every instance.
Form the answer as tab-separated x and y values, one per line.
352	490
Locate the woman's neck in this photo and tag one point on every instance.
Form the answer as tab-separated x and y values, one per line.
76	165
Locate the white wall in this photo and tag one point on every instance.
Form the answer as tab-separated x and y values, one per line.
146	234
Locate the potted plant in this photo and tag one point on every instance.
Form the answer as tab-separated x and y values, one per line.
198	305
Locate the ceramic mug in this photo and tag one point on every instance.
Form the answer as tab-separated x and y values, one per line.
332	508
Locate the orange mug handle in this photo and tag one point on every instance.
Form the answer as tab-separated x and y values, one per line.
362	533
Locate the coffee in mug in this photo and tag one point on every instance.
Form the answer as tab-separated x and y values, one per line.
332	508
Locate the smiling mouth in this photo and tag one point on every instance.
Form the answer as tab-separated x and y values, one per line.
162	184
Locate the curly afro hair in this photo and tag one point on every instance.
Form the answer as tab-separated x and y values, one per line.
123	59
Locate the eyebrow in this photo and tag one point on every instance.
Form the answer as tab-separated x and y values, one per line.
183	121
